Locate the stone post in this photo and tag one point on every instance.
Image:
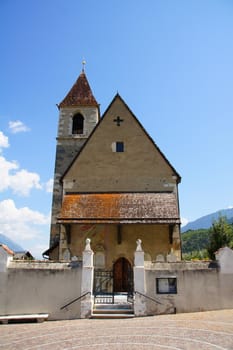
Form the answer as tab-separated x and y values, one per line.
87	281
63	243
139	281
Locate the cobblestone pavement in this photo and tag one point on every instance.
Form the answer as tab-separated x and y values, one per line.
195	331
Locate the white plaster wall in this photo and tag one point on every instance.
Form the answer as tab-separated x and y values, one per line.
4	257
198	289
225	259
40	288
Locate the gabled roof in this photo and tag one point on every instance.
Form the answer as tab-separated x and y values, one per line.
23	255
117	96
157	207
80	94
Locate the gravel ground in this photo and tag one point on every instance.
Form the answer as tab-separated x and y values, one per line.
193	331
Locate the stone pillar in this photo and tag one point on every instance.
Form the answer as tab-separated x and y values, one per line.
139	281
176	242
87	281
62	243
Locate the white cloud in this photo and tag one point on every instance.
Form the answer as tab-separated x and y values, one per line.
20	224
17	126
4	143
184	221
20	181
5	168
24	181
230	207
49	186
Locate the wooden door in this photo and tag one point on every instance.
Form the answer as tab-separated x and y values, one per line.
122	276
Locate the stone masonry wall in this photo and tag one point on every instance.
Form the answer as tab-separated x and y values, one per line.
68	146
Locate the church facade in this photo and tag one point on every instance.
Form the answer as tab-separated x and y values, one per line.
115	228
112	184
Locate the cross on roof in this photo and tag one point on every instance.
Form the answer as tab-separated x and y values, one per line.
83	64
118	121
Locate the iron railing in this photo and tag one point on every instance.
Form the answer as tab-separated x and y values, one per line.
147	297
73	301
103	287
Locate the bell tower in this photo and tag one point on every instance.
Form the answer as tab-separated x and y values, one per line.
78	115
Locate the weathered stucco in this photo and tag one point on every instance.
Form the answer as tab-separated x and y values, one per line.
198	289
44	287
141	167
30	287
107	239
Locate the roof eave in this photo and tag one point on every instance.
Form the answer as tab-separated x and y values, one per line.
118	221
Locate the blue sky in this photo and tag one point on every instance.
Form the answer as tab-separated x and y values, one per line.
170	60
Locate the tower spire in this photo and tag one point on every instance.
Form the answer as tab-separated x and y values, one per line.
80	94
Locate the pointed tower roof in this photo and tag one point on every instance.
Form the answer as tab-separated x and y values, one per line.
80	94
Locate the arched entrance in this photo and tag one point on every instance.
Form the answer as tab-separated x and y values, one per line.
122	276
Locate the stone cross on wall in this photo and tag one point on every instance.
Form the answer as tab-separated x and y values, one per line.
118	120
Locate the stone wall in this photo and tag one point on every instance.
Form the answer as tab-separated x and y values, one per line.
160	287
68	146
199	288
41	287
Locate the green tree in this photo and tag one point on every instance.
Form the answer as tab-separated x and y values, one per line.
221	235
195	240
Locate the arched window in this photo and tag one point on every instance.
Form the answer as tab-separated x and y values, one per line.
78	122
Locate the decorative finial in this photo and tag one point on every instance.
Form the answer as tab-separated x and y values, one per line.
88	245
83	63
139	245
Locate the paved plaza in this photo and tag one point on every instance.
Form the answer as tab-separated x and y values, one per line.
194	331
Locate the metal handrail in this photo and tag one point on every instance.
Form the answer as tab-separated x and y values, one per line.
146	296
73	301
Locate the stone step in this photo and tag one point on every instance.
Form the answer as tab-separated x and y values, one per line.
112	311
113	306
109	315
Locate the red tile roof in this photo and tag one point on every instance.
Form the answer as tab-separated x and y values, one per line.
120	208
80	94
7	249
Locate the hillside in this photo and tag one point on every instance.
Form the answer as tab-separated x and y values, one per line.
206	221
11	244
195	240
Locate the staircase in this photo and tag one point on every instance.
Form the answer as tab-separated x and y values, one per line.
112	311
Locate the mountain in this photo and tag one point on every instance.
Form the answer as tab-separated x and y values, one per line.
206	221
12	245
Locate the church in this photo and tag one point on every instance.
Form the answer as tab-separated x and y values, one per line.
113	185
115	228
